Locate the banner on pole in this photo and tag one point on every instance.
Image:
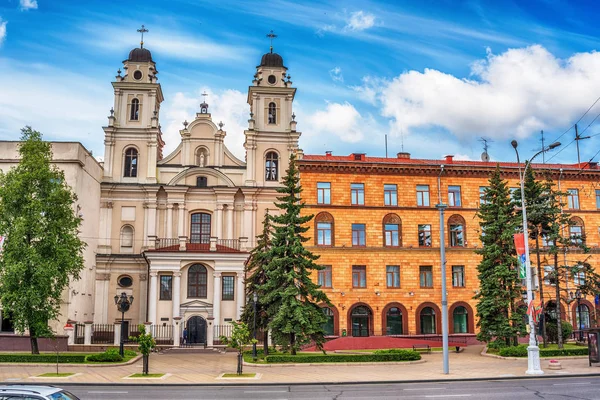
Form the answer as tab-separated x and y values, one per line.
519	239
534	311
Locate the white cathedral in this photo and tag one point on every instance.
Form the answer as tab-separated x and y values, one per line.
172	231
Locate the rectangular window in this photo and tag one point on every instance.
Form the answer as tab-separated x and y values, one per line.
579	278
549	275
393	276
391	235
359	235
457	235
573	199
166	287
576	234
482	190
426	276
458	276
359	276
423	195
424	235
324	277
227	285
454	196
324	233
390	195
598	199
323	193
358	194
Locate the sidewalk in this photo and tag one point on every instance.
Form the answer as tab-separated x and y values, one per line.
204	369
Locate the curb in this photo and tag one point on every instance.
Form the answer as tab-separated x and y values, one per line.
335	363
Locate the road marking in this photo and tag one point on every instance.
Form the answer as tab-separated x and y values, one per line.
266	391
102	392
423	389
447	395
569	384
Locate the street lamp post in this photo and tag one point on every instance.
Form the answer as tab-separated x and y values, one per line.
446	366
123	303
533	351
255	298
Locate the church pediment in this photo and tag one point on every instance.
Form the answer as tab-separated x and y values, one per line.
196	304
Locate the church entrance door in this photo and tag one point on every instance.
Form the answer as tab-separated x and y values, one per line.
196	330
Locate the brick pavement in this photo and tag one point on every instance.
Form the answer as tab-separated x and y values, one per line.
204	369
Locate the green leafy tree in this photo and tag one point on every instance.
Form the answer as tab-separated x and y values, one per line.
240	338
499	319
292	297
256	278
42	251
145	343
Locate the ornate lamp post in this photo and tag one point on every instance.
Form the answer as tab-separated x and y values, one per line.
255	299
533	351
123	303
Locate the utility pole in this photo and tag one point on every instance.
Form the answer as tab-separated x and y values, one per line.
577	139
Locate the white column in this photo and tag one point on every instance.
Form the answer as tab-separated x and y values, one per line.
219	224
87	334
181	221
169	232
152	297
240	296
176	293
217	298
247	223
230	211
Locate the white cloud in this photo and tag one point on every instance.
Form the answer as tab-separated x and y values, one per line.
336	74
359	21
28	4
228	106
2	30
341	120
516	93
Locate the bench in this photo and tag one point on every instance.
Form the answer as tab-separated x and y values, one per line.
422	348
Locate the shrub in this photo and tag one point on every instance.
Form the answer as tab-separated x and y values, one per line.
403	352
552	332
406	355
521	351
110	355
514	351
42	358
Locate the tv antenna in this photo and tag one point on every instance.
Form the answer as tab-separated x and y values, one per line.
485	155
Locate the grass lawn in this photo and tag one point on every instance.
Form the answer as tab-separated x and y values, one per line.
55	375
146	376
245	375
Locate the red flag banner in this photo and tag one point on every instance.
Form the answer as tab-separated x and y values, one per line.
519	239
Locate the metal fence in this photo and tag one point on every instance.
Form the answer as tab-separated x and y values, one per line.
103	333
222	330
163	334
79	333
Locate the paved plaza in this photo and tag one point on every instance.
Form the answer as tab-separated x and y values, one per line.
205	368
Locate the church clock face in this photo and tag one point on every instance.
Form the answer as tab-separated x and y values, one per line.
137	75
272	79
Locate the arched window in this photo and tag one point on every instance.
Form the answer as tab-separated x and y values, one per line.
456	231
200	232
197	278
324	233
329	325
134	114
271	166
427	321
201	181
272	113
127	237
582	317
131	163
460	318
392	231
393	320
576	231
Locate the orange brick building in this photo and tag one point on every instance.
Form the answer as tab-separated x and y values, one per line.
377	231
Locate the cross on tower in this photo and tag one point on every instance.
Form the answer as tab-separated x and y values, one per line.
204	94
142	30
271	36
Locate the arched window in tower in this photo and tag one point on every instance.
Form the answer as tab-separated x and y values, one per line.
271	166
131	163
272	113
135	110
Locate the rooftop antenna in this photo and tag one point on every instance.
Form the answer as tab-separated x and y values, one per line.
577	139
271	36
543	147
142	30
485	155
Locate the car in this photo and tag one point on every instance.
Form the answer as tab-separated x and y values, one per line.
30	392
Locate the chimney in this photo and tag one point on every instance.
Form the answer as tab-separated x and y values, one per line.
403	155
328	154
449	159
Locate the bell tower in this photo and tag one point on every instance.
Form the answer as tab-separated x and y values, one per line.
271	136
133	140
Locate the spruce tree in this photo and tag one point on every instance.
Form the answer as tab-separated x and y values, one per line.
256	278
292	297
42	251
498	276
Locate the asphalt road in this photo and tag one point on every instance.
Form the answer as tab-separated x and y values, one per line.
555	388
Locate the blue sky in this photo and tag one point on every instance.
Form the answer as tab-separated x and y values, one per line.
434	76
